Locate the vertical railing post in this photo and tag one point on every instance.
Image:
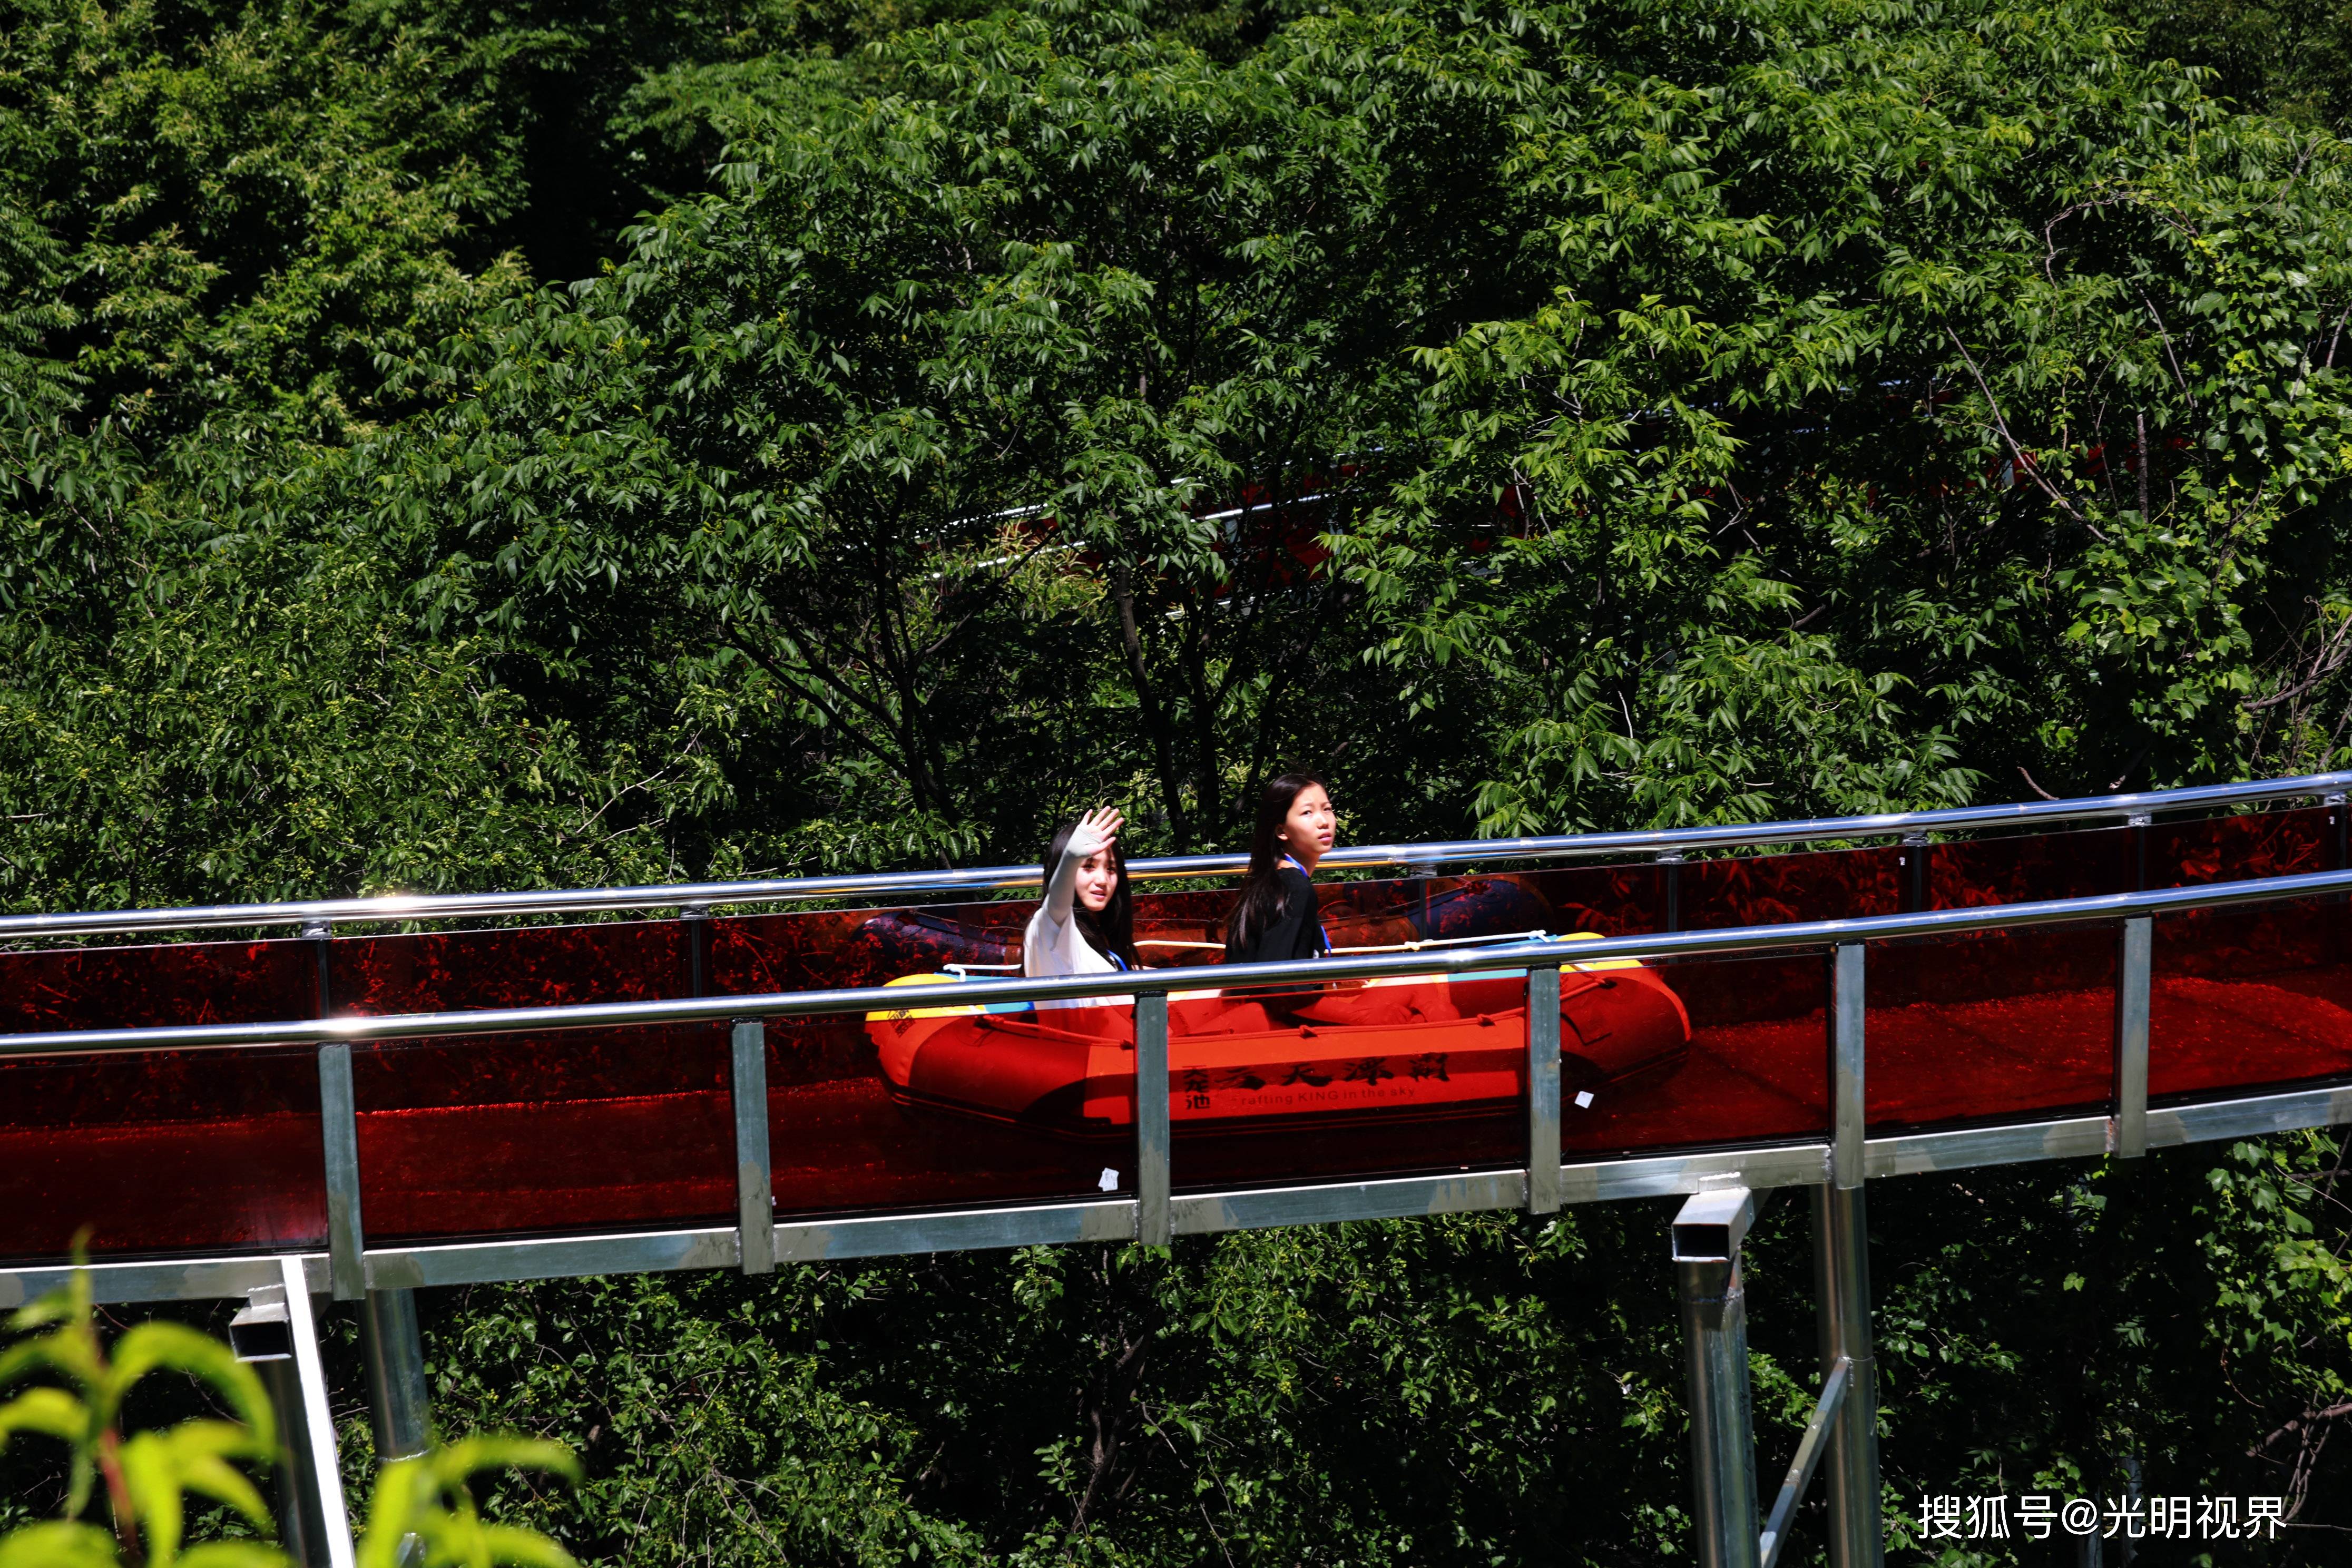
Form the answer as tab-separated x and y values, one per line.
1714	1301
2127	1134
319	934
1848	1106
1841	1280
1670	880
1842	1285
755	1188
1915	872
339	1134
1154	1217
1543	1090
694	923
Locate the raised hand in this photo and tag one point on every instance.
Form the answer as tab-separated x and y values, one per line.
1097	830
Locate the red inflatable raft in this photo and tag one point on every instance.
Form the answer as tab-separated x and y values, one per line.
1386	1051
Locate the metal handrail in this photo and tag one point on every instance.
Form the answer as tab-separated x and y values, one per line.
1807	934
392	909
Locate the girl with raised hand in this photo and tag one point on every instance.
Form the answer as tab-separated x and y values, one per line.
1275	919
1087	924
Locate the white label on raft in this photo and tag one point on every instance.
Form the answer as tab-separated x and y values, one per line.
1109	1181
1583	1098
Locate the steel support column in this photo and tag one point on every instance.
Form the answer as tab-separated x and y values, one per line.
1842	1284
1707	1233
399	1402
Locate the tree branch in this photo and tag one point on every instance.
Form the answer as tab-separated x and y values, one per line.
2017	454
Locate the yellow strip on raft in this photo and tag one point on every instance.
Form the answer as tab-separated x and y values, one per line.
924	1011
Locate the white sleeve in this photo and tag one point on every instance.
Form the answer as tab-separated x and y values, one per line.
1062	881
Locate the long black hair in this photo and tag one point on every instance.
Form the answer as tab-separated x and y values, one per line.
1111	929
1260	904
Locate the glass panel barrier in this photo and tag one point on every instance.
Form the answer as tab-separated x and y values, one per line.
949	1106
1396	911
1756	1067
844	949
2026	870
1778	889
205	1151
1615	900
471	1135
156	984
556	1131
1988	1028
2250	998
162	1152
938	1105
534	966
2241	849
1277	1085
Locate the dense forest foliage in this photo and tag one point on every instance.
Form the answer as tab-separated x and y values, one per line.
451	445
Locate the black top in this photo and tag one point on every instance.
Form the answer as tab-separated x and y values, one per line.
1296	933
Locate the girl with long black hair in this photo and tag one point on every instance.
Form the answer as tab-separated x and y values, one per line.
1275	919
1085	924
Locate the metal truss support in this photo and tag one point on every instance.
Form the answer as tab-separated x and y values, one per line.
1707	1236
1842	1284
1841	1435
276	1335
